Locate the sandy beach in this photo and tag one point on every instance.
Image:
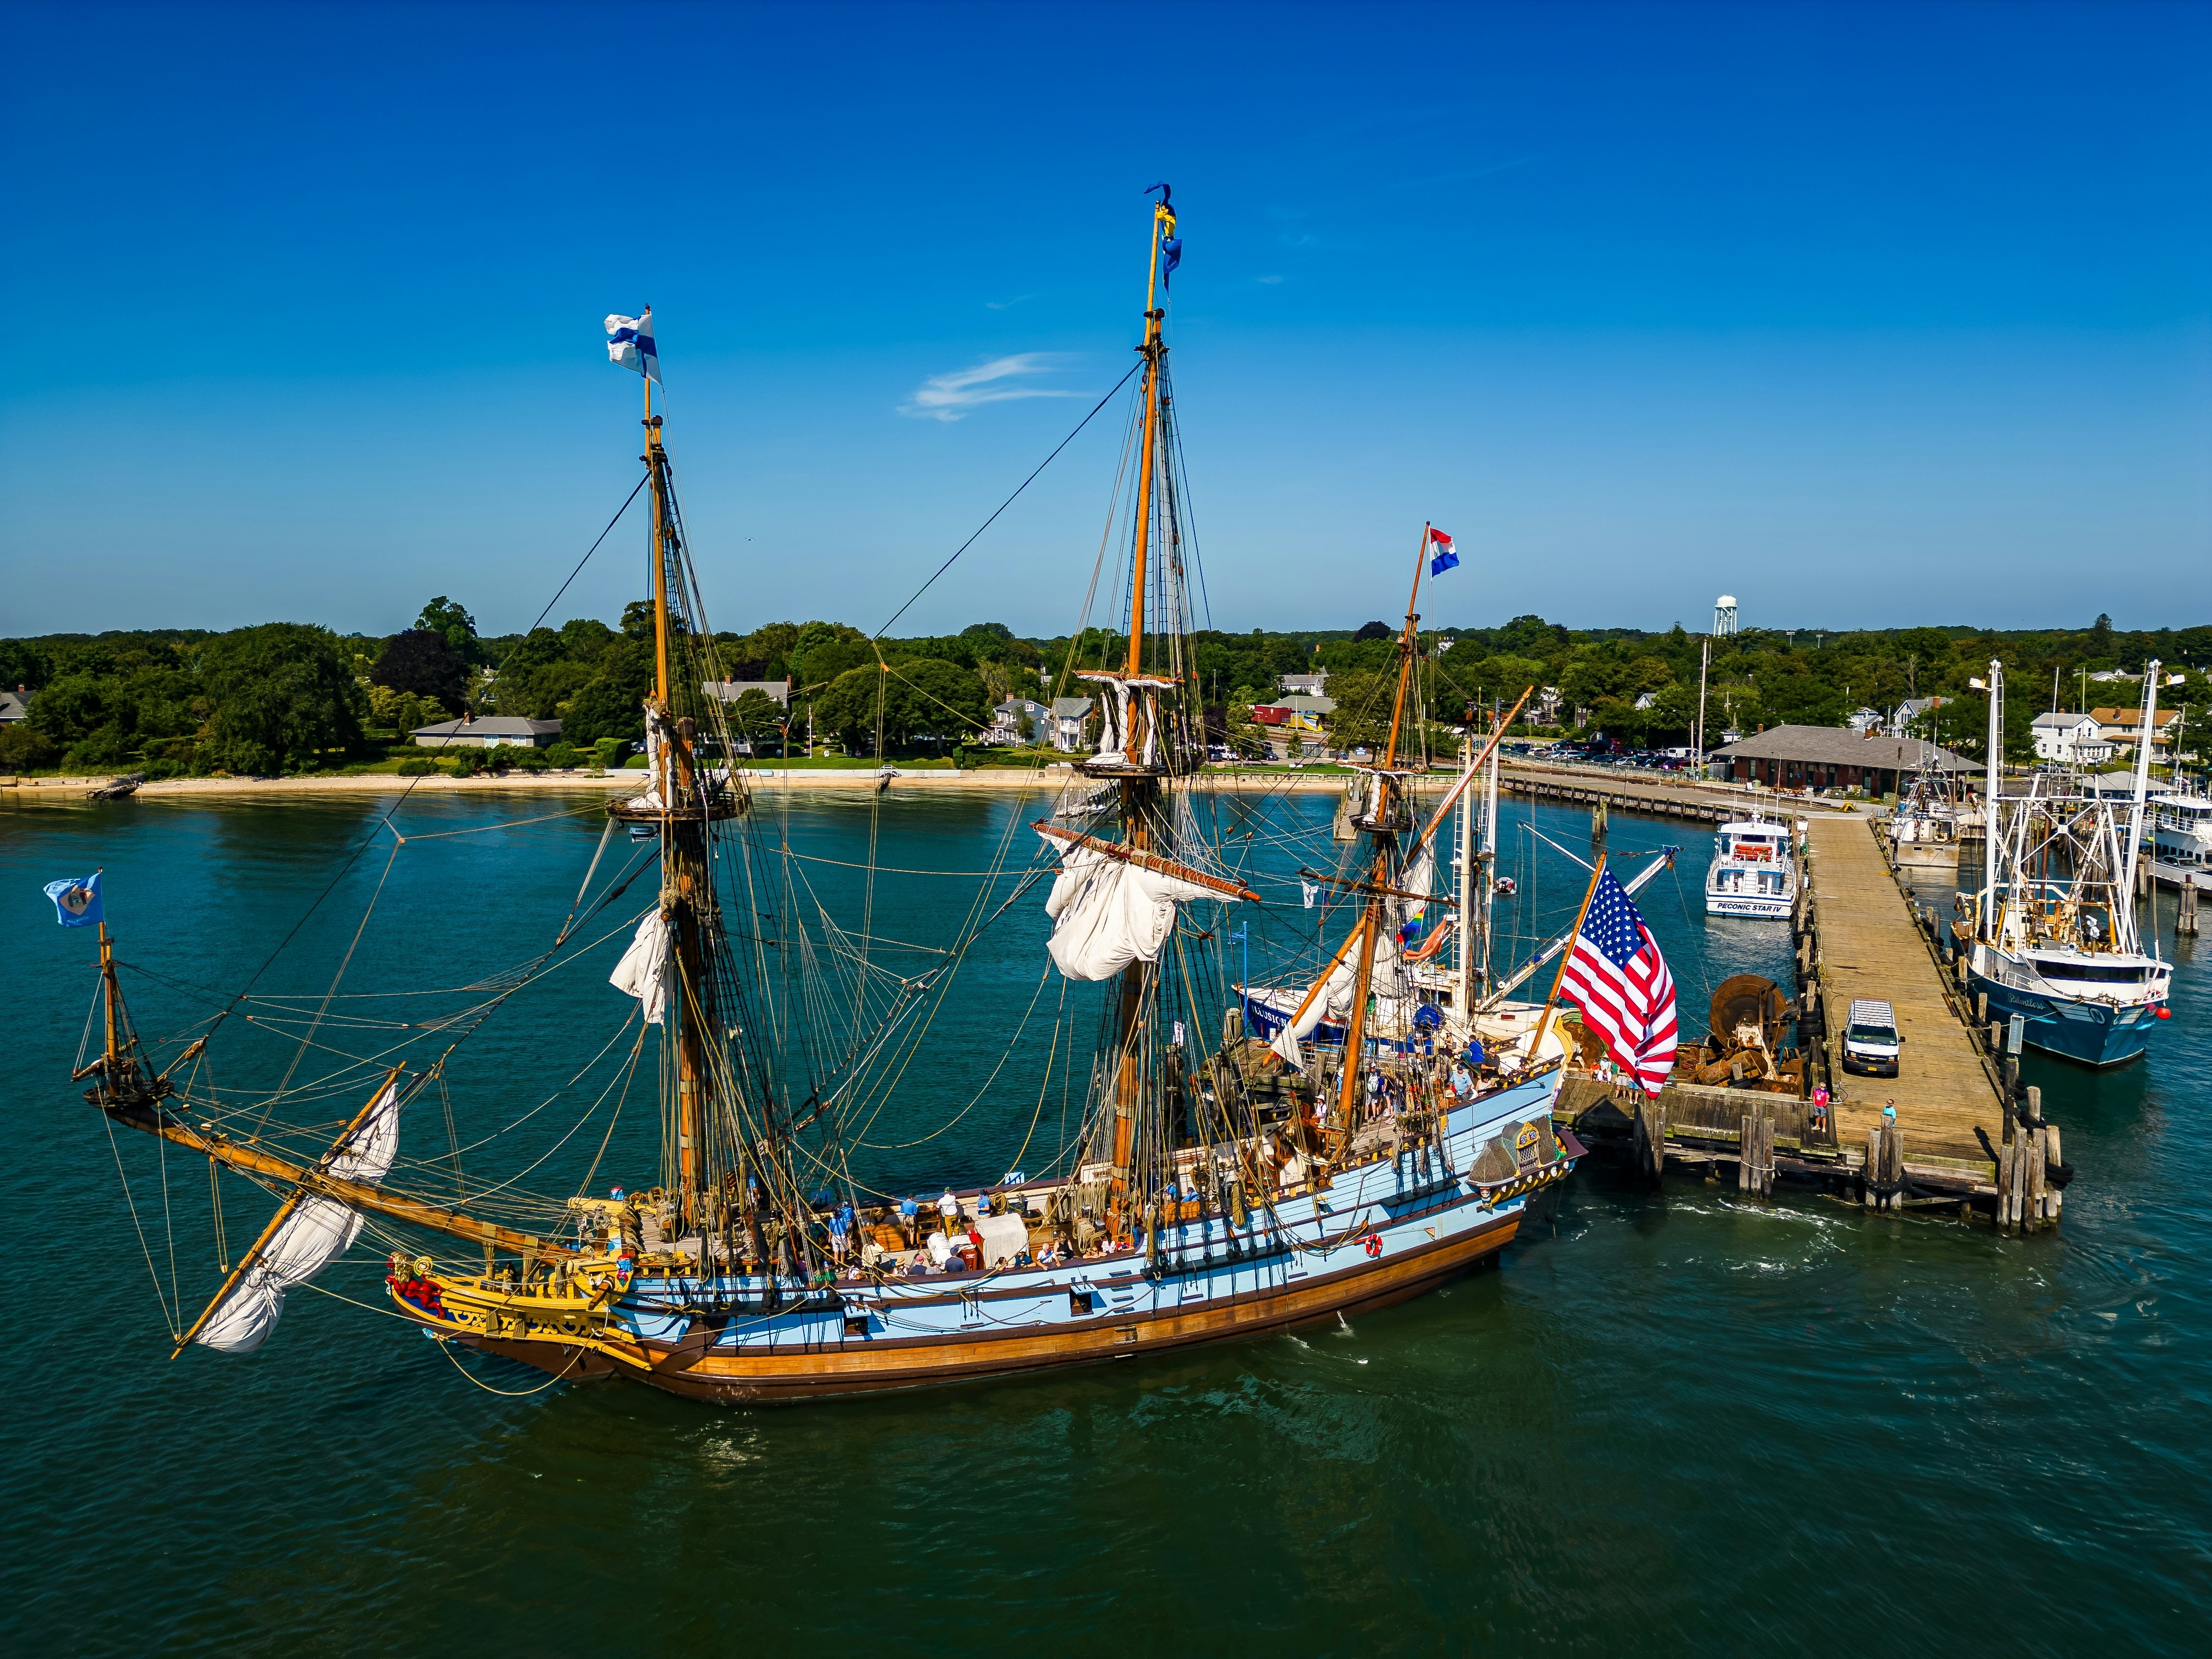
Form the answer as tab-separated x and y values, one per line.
1051	780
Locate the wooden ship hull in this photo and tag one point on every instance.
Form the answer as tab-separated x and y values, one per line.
1380	1233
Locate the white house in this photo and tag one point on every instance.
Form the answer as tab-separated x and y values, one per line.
1315	684
1865	720
15	706
1068	716
777	691
2071	740
488	733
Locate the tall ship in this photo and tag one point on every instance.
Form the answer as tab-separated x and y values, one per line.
1752	873
1209	1190
2051	936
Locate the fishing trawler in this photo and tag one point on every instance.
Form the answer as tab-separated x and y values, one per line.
1211	1192
2052	934
1929	824
1752	873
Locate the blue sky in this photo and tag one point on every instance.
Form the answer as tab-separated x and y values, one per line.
1868	315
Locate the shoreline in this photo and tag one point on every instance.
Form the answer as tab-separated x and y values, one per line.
69	790
1056	780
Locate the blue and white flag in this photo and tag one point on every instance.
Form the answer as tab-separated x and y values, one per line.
630	344
1444	554
77	903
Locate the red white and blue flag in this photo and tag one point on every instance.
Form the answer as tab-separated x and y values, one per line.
1618	978
1442	554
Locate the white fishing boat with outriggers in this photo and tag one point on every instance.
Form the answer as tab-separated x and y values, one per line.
2050	937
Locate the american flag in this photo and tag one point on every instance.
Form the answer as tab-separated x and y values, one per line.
1618	978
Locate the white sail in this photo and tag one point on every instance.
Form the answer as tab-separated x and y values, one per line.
642	971
1334	1001
655	741
1108	913
315	1234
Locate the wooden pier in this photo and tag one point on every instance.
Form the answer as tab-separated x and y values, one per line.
1953	1145
1695	803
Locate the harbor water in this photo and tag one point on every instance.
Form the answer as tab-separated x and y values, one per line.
1666	1421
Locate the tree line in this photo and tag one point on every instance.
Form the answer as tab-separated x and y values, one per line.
282	697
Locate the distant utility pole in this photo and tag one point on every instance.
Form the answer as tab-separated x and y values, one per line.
1705	662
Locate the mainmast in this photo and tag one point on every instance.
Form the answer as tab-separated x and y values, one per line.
680	803
1132	712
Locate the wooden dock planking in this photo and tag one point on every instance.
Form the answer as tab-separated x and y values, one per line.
1870	947
1695	803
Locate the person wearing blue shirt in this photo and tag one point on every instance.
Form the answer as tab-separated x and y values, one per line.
1476	1055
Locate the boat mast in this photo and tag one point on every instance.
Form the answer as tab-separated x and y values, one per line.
2149	720
1490	846
684	872
1994	784
1463	1002
1386	841
1140	789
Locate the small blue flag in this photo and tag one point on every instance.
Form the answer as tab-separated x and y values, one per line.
1170	256
77	903
1444	556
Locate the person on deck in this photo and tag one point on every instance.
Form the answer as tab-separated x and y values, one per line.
1476	1056
1462	1085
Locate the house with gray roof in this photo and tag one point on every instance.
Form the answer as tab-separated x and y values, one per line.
1069	716
728	691
15	706
488	731
1832	757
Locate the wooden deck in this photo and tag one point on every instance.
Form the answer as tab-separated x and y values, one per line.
1669	797
1856	937
1868	945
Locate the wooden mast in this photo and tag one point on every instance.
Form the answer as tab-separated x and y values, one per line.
1355	1032
684	832
1139	793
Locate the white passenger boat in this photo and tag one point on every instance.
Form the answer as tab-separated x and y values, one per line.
2179	838
1752	874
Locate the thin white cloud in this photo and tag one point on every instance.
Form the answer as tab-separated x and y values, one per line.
949	397
1006	305
1269	281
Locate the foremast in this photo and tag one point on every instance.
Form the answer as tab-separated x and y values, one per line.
703	1098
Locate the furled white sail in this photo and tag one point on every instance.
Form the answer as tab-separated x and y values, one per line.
642	971
655	741
1420	877
1334	1002
1108	913
315	1234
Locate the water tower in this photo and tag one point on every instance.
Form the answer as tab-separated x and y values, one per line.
1724	616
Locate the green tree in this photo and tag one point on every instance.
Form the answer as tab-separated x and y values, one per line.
611	704
922	697
447	617
280	694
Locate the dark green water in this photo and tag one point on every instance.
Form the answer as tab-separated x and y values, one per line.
1671	1423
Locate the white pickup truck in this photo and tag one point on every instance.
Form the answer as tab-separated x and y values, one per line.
1871	1039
